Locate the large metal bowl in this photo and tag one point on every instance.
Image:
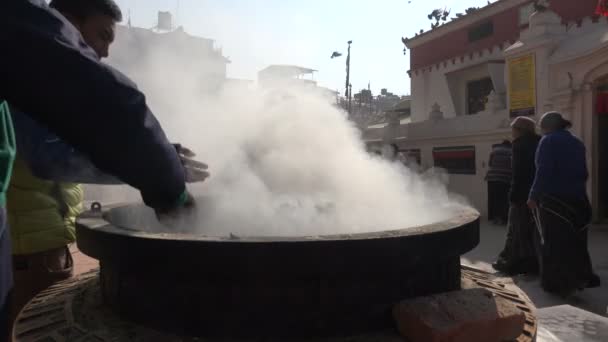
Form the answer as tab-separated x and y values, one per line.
269	286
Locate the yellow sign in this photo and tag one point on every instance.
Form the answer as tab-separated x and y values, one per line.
522	86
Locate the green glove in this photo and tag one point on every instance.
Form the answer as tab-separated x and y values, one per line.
183	207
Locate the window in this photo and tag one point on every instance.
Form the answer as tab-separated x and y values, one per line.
411	155
458	160
415	155
481	31
477	95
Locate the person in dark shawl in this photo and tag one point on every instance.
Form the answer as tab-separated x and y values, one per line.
519	255
561	209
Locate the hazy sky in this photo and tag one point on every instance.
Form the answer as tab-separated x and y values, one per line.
257	33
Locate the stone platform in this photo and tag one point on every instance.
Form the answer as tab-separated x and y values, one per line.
73	311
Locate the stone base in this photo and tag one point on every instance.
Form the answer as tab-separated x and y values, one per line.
73	311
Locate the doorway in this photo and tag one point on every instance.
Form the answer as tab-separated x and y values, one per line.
601	133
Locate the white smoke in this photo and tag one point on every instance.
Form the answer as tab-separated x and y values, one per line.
285	162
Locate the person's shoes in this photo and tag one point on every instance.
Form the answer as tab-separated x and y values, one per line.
501	265
564	293
515	268
525	267
594	282
567	294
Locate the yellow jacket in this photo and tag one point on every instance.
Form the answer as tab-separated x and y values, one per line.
41	214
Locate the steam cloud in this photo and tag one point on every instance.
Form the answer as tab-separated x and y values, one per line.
285	162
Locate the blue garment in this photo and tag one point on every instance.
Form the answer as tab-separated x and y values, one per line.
561	167
50	73
50	158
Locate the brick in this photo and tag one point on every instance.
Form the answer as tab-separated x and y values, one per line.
470	315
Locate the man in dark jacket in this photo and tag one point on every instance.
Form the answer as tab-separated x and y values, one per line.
50	73
518	255
499	180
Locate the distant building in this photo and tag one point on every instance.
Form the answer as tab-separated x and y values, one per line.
277	76
286	74
471	76
176	56
236	84
383	111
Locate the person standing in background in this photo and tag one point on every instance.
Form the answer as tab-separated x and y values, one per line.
519	254
390	152
498	178
559	201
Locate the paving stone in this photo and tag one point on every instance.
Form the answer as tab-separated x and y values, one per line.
567	323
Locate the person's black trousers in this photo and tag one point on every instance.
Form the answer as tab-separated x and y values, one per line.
498	201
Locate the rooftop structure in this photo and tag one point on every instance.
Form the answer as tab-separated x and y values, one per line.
282	73
173	54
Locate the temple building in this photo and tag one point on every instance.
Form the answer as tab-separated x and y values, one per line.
472	75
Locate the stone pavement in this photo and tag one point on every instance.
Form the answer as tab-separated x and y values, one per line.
567	323
594	300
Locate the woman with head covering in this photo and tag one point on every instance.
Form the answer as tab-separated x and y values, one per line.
518	255
561	208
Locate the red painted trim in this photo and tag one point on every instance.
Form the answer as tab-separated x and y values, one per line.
454	155
506	28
